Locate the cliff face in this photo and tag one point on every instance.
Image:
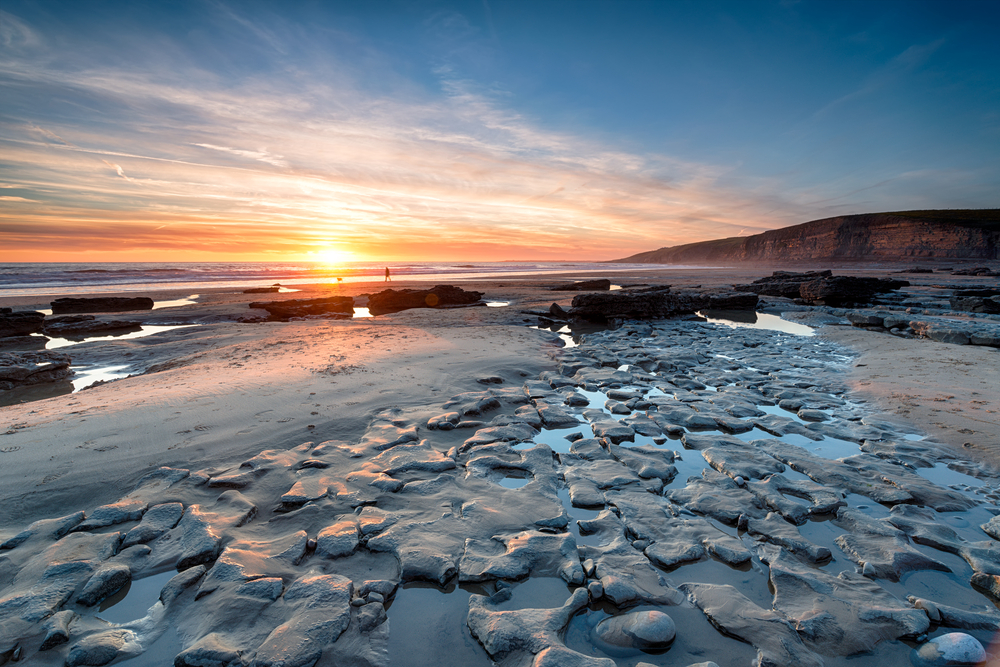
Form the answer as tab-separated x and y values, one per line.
874	236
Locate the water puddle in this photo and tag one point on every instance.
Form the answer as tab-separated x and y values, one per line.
537	593
87	376
942	475
497	304
145	330
515	479
556	437
689	647
429	623
579	514
189	301
134	600
753	320
361	311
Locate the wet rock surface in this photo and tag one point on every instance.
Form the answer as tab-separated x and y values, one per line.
439	296
329	307
104	304
664	478
20	369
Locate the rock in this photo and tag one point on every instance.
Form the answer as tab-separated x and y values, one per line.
846	614
70	326
955	649
439	296
976	304
371	616
528	552
109	579
652	304
20	324
782	283
46	529
881	545
113	514
558	312
181	582
596	590
103	304
21	369
56	629
339	539
776	641
601	284
102	648
320	606
776	530
333	307
212	650
845	290
262	290
637	629
560	656
155	522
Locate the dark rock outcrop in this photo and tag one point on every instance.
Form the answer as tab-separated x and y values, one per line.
103	304
822	287
19	369
782	283
333	307
842	290
601	284
976	304
20	324
439	296
655	304
81	325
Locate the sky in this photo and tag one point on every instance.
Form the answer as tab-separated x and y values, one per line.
480	130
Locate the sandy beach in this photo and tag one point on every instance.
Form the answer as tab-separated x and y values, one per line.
216	393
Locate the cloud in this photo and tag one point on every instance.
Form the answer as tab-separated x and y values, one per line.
287	162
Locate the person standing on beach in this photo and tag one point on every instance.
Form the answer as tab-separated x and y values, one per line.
387	278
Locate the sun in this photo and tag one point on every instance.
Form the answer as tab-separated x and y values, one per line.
334	256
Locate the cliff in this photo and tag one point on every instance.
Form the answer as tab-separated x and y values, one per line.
899	236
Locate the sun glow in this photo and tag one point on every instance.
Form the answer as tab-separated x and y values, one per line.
333	256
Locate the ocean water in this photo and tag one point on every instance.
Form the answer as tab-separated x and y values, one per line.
28	279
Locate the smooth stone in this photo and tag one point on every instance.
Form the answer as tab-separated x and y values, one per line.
637	629
955	649
109	579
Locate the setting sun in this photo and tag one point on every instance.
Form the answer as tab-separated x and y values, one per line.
334	256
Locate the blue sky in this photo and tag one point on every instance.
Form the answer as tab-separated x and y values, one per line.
480	129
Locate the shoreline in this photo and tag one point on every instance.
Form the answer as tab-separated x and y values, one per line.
434	451
934	405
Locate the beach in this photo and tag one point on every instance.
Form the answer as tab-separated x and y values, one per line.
214	393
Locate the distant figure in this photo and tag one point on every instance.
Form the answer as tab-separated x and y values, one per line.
340	280
387	278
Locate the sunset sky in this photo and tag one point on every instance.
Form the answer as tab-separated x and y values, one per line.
480	130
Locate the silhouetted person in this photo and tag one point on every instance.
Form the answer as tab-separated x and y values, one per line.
387	278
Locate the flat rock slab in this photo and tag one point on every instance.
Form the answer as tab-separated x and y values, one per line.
104	304
775	639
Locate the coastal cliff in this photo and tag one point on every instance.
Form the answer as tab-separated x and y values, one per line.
900	236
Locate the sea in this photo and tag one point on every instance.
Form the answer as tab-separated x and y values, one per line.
29	279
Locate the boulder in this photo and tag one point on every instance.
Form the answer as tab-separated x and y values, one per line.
81	325
637	629
843	290
20	369
655	303
975	304
954	649
333	307
20	324
782	283
439	296
601	284
103	304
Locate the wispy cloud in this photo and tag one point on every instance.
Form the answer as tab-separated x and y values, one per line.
176	158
